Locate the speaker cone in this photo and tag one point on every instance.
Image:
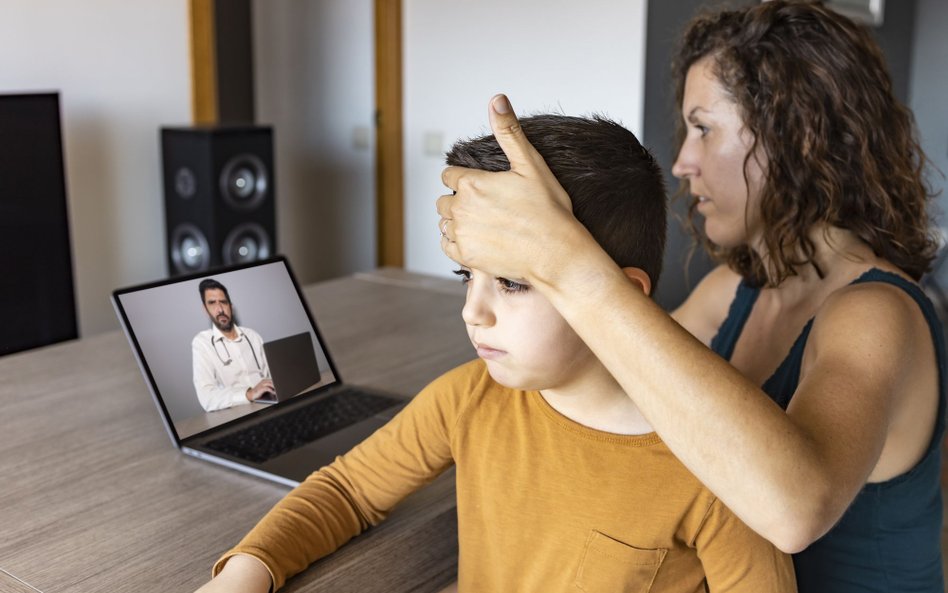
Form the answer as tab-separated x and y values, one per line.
244	180
190	251
185	183
245	243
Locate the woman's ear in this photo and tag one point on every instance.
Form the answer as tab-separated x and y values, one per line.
638	276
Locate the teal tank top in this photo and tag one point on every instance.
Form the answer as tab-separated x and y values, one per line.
889	540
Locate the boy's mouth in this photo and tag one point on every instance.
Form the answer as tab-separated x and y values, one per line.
487	353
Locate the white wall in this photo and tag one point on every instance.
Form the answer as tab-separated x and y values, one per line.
122	70
314	81
928	93
573	57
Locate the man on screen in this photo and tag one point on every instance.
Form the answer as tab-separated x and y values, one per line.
230	366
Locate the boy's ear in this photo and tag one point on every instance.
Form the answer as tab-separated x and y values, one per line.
638	276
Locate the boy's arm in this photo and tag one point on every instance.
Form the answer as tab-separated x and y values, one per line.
736	559
241	574
358	489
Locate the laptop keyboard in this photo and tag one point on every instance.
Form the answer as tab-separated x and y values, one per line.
278	435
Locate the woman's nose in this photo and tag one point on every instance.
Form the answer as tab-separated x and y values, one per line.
685	165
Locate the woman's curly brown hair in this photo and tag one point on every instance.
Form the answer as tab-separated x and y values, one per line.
840	149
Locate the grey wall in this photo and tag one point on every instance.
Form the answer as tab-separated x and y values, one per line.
928	93
314	82
666	18
895	38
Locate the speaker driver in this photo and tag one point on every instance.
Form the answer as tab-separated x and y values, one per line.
245	243
190	251
244	181
185	184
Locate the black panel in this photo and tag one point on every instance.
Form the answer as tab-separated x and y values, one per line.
208	221
234	59
895	36
665	23
37	302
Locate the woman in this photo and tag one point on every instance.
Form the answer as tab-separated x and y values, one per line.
823	433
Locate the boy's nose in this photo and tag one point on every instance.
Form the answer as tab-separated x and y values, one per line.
477	309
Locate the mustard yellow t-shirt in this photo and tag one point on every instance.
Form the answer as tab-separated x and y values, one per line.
544	504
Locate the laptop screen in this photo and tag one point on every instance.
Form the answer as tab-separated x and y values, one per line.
215	347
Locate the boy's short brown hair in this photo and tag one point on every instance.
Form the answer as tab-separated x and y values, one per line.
616	187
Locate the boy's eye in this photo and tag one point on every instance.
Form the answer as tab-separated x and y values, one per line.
465	275
511	286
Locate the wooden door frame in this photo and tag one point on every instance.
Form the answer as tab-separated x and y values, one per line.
203	63
389	160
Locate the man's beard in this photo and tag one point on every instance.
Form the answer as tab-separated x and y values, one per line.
225	326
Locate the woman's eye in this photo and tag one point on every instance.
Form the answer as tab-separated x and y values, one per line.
510	286
702	129
464	275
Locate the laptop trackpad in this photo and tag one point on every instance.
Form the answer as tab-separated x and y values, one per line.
300	463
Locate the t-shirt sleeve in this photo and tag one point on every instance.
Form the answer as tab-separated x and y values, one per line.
359	488
736	559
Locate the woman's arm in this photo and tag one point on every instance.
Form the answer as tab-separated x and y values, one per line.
788	475
737	560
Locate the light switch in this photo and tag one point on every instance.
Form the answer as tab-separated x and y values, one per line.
433	144
360	138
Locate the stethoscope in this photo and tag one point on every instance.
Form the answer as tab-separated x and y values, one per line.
230	359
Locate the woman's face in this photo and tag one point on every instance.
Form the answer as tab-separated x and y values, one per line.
712	158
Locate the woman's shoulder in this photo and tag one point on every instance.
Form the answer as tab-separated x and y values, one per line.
878	291
707	306
876	309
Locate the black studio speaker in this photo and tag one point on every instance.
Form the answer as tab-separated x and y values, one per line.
219	196
37	303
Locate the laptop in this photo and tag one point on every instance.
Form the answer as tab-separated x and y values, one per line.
293	367
315	417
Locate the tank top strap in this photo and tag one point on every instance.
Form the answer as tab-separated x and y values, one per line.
730	330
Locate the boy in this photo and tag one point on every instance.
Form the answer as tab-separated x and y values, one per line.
560	482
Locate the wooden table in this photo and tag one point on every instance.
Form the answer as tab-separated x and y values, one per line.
94	497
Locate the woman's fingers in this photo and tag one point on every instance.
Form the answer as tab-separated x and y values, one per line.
522	156
444	206
496	219
452	177
450	248
506	127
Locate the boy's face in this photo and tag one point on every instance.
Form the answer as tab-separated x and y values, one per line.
522	338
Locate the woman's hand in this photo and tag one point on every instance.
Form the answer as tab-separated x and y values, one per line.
517	224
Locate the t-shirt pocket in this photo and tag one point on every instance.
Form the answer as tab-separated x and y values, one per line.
610	566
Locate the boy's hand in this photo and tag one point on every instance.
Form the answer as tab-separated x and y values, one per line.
515	224
241	574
